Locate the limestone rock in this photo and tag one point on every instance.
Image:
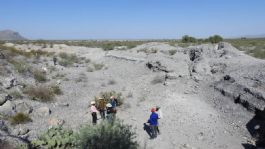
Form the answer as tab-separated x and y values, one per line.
43	111
2	99
23	107
7	108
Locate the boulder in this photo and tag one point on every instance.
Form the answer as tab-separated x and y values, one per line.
7	108
9	82
23	107
43	111
2	99
195	54
20	131
3	126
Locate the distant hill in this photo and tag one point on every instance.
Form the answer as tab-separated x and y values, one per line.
256	36
10	35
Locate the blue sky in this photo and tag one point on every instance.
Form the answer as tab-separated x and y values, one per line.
132	19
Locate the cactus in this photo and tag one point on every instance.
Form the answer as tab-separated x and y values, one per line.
56	137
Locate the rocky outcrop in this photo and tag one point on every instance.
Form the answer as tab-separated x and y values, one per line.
8	108
156	66
23	107
247	97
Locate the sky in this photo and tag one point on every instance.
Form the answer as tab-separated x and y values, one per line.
132	19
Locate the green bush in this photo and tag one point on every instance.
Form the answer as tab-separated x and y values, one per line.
107	136
20	118
56	137
187	39
56	89
20	66
39	76
215	39
67	60
106	96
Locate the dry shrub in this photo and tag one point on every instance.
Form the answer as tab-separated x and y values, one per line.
43	93
19	118
39	75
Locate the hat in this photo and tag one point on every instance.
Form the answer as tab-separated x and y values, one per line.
108	105
93	102
100	98
153	109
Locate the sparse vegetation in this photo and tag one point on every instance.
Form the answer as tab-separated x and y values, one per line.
19	118
56	89
89	69
106	45
67	60
98	66
20	66
172	52
188	39
104	135
253	47
39	75
43	93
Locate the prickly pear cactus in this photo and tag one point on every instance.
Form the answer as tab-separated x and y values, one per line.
56	137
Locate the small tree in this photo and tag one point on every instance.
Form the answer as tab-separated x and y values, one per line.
186	39
215	39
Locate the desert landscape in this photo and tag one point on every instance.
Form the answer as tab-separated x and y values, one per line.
132	74
210	93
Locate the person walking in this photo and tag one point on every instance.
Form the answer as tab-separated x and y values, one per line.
153	121
94	112
54	60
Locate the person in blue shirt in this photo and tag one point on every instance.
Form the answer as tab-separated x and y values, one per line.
153	121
